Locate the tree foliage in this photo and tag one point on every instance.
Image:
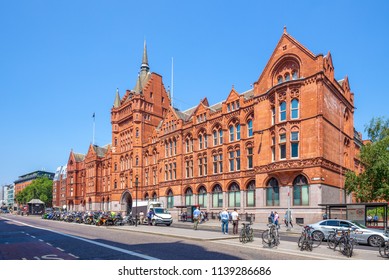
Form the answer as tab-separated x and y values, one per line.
41	188
373	183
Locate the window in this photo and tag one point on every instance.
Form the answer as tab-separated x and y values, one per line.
215	161
234	195
273	115
214	137
200	167
187	145
249	158
287	77
231	160
294	75
217	196
250	128
251	194
170	199
279	79
295	109
238	132
203	197
237	159
200	142
300	191
220	136
272	193
283	146
228	108
294	144
283	111
188	196
221	163
273	149
231	133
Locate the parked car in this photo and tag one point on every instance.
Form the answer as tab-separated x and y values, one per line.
364	235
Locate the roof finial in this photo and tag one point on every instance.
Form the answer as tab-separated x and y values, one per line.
145	62
117	102
285	30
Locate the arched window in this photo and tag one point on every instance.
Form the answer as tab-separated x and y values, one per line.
214	137
238	131
300	191
251	194
272	193
294	106
146	196
279	79
155	197
217	196
234	195
294	75
283	111
170	199
200	142
250	128
287	77
188	197
203	197
231	133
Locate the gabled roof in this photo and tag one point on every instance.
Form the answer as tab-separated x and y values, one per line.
78	157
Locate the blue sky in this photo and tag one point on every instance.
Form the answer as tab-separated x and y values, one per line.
61	61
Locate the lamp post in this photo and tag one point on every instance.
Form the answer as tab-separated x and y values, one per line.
288	213
136	200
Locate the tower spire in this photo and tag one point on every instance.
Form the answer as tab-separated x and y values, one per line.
116	104
145	63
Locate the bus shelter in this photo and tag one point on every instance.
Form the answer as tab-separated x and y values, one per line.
359	212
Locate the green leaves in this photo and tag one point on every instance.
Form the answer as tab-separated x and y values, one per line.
373	183
41	188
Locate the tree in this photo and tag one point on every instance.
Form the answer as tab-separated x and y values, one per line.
373	183
41	188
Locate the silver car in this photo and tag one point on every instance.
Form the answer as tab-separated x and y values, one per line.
364	235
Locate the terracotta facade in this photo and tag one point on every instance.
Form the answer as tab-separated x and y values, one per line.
286	142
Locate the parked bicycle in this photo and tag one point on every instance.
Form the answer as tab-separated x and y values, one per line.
308	240
270	237
343	240
384	248
246	233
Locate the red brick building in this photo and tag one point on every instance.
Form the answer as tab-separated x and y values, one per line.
289	138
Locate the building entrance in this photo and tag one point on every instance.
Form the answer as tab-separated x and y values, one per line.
126	202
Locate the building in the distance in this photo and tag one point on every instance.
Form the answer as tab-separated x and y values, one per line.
59	187
285	142
24	180
9	195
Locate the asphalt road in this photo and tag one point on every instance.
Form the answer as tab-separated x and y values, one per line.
32	238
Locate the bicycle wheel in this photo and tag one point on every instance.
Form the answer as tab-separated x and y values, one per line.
344	248
331	240
242	236
251	235
266	240
316	239
300	241
384	251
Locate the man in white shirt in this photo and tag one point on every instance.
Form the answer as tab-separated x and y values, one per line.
224	217
235	221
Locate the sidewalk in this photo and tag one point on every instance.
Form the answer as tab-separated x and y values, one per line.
206	232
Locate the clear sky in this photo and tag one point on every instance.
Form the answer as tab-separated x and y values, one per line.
61	61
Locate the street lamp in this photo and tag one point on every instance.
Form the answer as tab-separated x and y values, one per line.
136	200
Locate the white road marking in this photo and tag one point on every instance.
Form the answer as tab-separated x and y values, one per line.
73	256
40	240
124	251
49	244
62	250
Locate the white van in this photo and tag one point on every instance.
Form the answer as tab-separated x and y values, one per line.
161	215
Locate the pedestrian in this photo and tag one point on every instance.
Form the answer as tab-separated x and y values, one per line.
271	218
288	220
196	218
150	215
375	219
224	219
141	217
235	221
369	219
276	217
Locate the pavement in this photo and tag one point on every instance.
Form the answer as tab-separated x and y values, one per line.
211	231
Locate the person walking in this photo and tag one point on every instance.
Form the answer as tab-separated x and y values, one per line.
369	219
196	218
288	220
224	219
271	218
276	217
150	215
235	221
